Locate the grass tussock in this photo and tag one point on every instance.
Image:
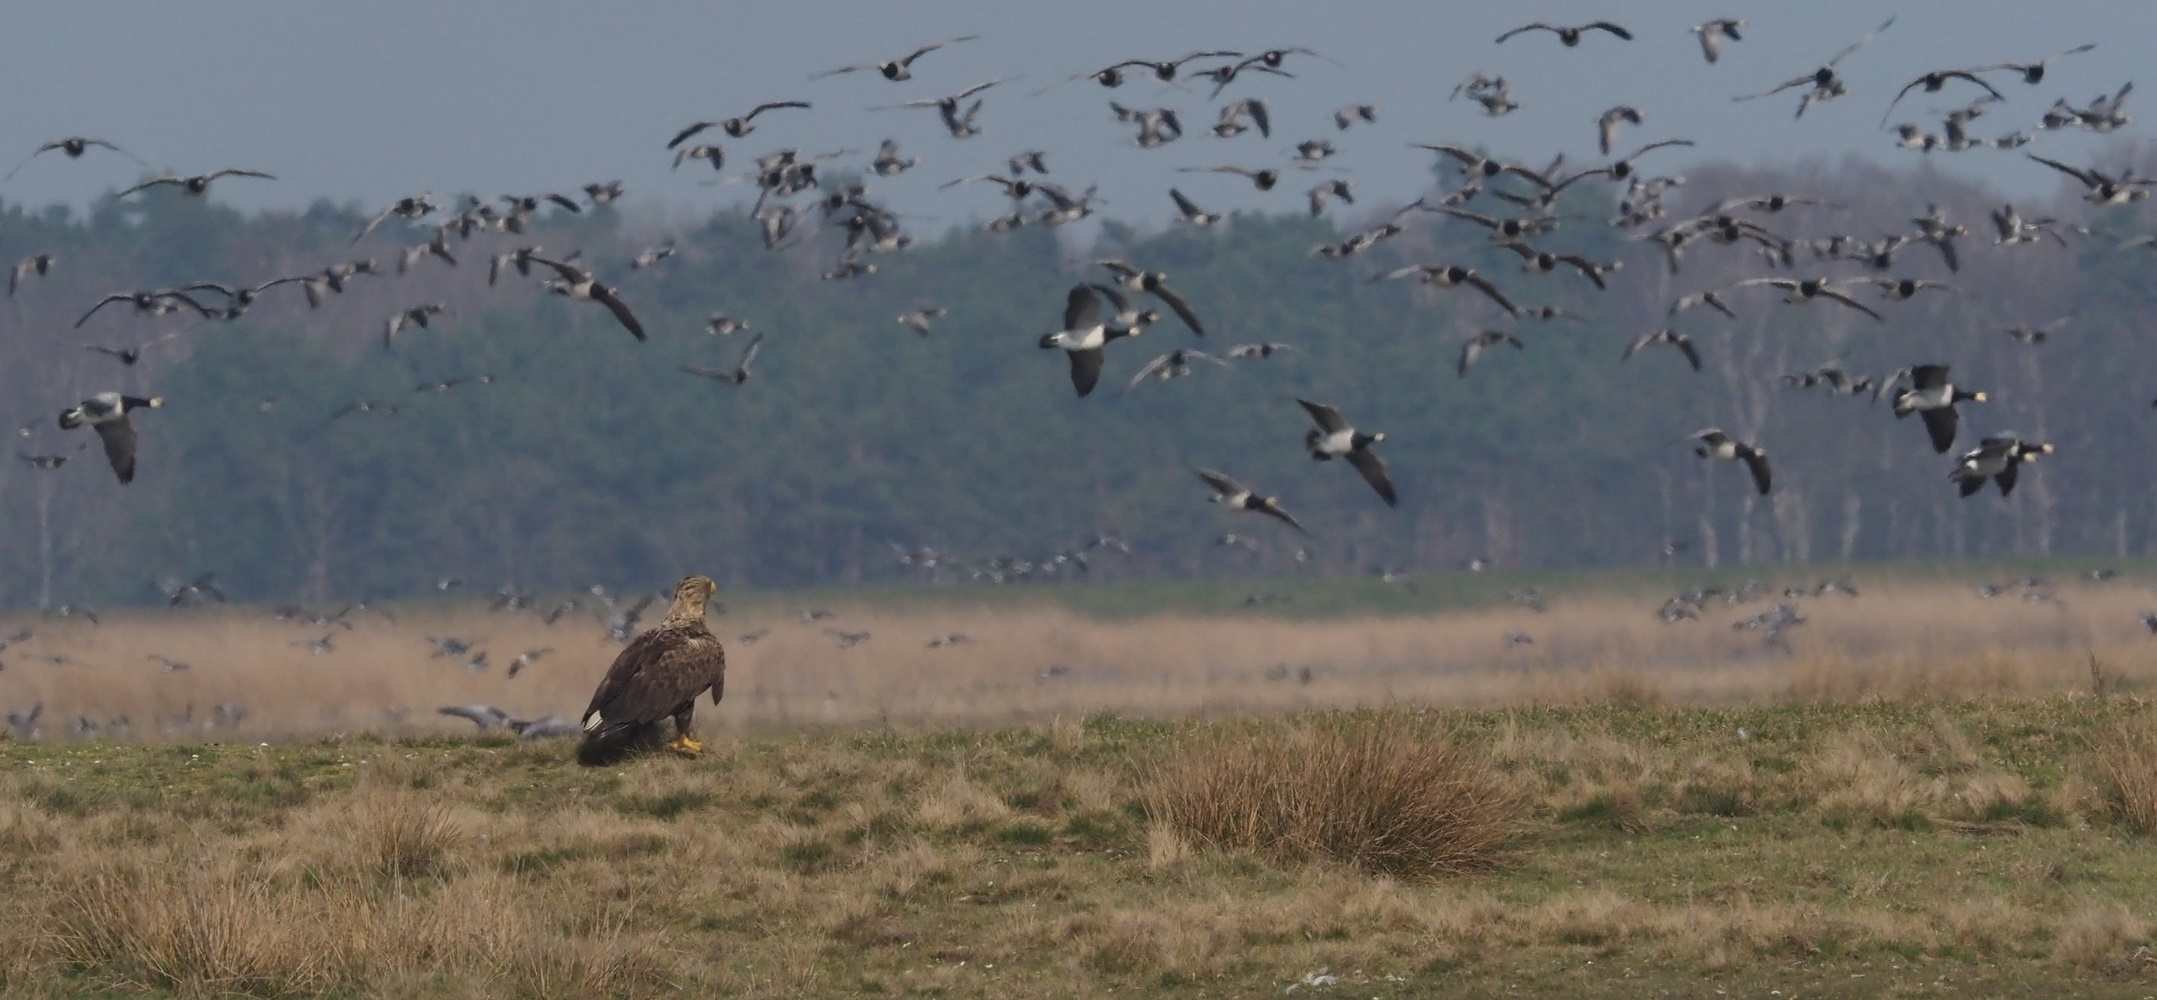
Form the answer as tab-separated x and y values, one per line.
2125	760
1387	792
406	836
186	929
1862	783
219	927
2104	936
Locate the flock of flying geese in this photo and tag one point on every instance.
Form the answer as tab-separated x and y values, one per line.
791	185
1519	206
1528	197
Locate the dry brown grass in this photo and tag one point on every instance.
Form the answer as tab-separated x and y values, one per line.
1903	640
1645	849
214	925
2125	760
1387	792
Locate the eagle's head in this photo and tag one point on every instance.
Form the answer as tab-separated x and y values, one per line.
690	597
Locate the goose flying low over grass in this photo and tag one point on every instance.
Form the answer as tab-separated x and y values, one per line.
1803	290
1083	337
74	146
2033	73
1823	83
1188	211
1489	91
1476	165
1265	62
201	588
1450	276
1569	35
1695	300
1262	179
1350	114
52	461
1154	283
1540	262
736	127
1473	348
37	264
1622	167
1173	365
1903	289
410	208
1335	437
1503	230
1933	397
1165	71
581	285
1999	459
921	320
1234	115
1712	34
526	659
125	355
445	385
1606	125
1339	187
194	186
420	316
1126	315
486	717
1258	352
1663	337
2035	335
2011	228
1230	493
1839	382
151	303
947	106
652	256
107	413
898	69
889	161
1933	82
2102	188
373	406
740	372
1714	444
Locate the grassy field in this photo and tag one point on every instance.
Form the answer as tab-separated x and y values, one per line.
1039	653
1888	847
1366	790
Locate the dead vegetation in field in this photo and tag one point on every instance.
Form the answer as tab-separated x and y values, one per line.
1900	640
1407	851
2126	765
374	891
1382	793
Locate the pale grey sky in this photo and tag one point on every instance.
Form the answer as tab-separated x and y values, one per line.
368	101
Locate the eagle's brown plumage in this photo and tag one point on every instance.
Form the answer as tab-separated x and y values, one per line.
661	674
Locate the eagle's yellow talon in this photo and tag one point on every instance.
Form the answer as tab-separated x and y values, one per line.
686	744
